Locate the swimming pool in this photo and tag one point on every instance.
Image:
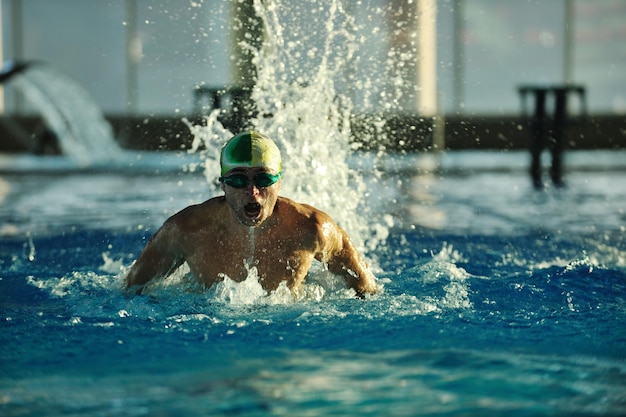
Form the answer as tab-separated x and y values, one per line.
498	299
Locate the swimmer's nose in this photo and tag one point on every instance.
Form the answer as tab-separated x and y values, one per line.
252	189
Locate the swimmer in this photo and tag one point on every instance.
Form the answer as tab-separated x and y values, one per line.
251	226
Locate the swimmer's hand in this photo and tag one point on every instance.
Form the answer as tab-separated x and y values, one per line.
363	290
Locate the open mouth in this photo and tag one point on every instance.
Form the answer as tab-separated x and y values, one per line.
252	209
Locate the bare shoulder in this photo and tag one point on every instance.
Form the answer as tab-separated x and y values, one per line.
198	216
302	213
312	222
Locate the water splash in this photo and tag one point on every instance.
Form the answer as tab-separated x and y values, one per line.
72	115
98	296
446	276
31	248
303	102
247	292
252	248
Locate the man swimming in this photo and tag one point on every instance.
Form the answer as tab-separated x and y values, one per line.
251	226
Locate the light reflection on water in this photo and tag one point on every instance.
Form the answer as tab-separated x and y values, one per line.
497	198
497	299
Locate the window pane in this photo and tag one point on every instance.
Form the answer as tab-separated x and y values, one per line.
508	43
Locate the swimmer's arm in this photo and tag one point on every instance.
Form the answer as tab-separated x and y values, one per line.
158	260
345	260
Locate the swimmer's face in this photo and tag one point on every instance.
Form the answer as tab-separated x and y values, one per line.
254	201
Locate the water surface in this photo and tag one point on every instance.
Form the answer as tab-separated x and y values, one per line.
497	299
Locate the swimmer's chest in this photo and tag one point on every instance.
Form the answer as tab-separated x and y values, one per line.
277	258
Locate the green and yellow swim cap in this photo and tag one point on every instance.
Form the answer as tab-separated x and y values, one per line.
249	150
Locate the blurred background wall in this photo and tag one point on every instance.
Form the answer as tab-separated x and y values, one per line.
146	57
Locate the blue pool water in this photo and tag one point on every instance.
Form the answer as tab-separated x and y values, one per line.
498	300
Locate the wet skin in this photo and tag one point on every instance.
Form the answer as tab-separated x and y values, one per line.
251	227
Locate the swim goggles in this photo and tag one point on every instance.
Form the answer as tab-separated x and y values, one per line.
260	180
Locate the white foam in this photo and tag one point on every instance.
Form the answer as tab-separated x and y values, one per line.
307	111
